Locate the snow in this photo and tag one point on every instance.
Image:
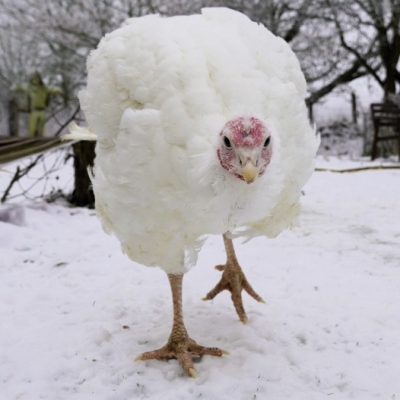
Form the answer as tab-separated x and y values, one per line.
347	164
76	312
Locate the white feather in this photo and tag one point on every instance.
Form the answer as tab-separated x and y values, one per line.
159	92
77	132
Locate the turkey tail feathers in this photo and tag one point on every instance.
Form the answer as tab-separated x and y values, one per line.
77	132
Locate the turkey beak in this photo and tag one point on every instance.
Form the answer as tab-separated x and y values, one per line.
249	172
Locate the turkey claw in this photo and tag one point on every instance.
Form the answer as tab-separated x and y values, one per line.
183	350
234	280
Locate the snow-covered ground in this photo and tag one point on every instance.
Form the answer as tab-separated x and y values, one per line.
75	312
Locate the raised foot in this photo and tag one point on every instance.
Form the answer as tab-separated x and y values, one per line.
183	349
234	280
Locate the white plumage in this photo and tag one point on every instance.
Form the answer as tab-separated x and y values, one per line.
159	93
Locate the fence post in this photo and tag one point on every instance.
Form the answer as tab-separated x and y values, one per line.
365	133
354	107
13	120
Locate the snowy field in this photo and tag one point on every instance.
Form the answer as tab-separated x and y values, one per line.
75	312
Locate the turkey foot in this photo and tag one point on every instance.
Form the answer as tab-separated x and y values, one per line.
234	280
179	344
183	348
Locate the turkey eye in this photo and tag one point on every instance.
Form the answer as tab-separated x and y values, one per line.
267	140
227	143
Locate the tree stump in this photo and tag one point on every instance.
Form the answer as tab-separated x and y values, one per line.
84	155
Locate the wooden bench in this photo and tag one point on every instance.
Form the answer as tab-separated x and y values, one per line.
385	115
13	148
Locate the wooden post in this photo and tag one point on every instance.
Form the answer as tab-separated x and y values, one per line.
13	117
354	107
366	116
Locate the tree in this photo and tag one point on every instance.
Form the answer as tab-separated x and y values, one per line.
307	26
369	30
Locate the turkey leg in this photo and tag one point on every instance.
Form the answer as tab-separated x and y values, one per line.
234	280
179	344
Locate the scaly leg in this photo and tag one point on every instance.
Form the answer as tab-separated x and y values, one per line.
234	280
179	344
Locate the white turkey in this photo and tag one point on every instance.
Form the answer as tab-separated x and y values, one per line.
201	129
